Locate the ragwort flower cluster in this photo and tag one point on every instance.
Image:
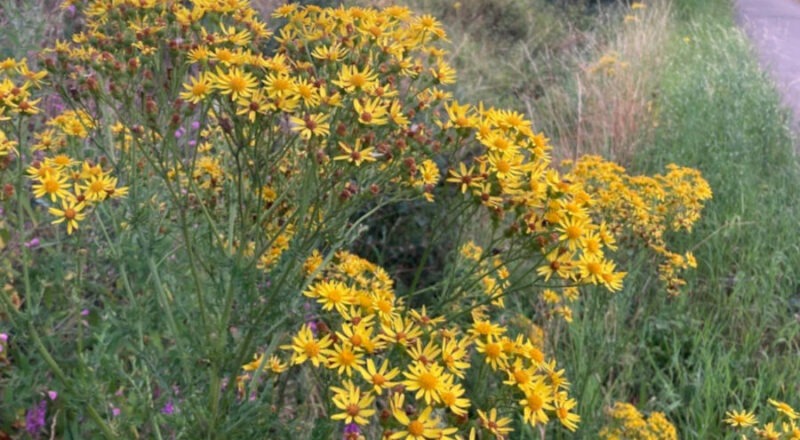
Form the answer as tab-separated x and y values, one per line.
629	424
643	209
343	94
404	373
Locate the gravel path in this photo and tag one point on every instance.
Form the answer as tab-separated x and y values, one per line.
774	28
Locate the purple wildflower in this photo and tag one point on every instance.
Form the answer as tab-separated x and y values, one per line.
169	408
34	419
34	243
351	431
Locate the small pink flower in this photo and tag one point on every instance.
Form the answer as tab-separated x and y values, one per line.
53	395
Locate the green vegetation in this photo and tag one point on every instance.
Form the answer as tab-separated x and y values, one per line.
168	339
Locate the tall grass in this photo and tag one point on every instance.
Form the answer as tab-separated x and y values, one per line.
733	341
603	106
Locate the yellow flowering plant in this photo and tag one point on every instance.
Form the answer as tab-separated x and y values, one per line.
214	171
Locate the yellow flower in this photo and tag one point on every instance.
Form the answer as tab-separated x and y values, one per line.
740	419
354	403
498	427
227	57
54	185
519	374
443	73
96	188
422	427
455	356
429	172
70	213
397	115
197	89
400	330
332	295
6	145
8	64
563	406
426	380
284	11
312	125
255	104
507	165
591	269
61	161
355	155
27	107
483	327
424	355
254	364
450	394
235	82
198	54
572	231
768	432
784	408
306	347
273	364
344	358
279	84
359	334
306	92
557	379
592	244
493	353
380	378
276	365
610	279
332	53
351	79
372	112
314	261
538	399
425	320
460	116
